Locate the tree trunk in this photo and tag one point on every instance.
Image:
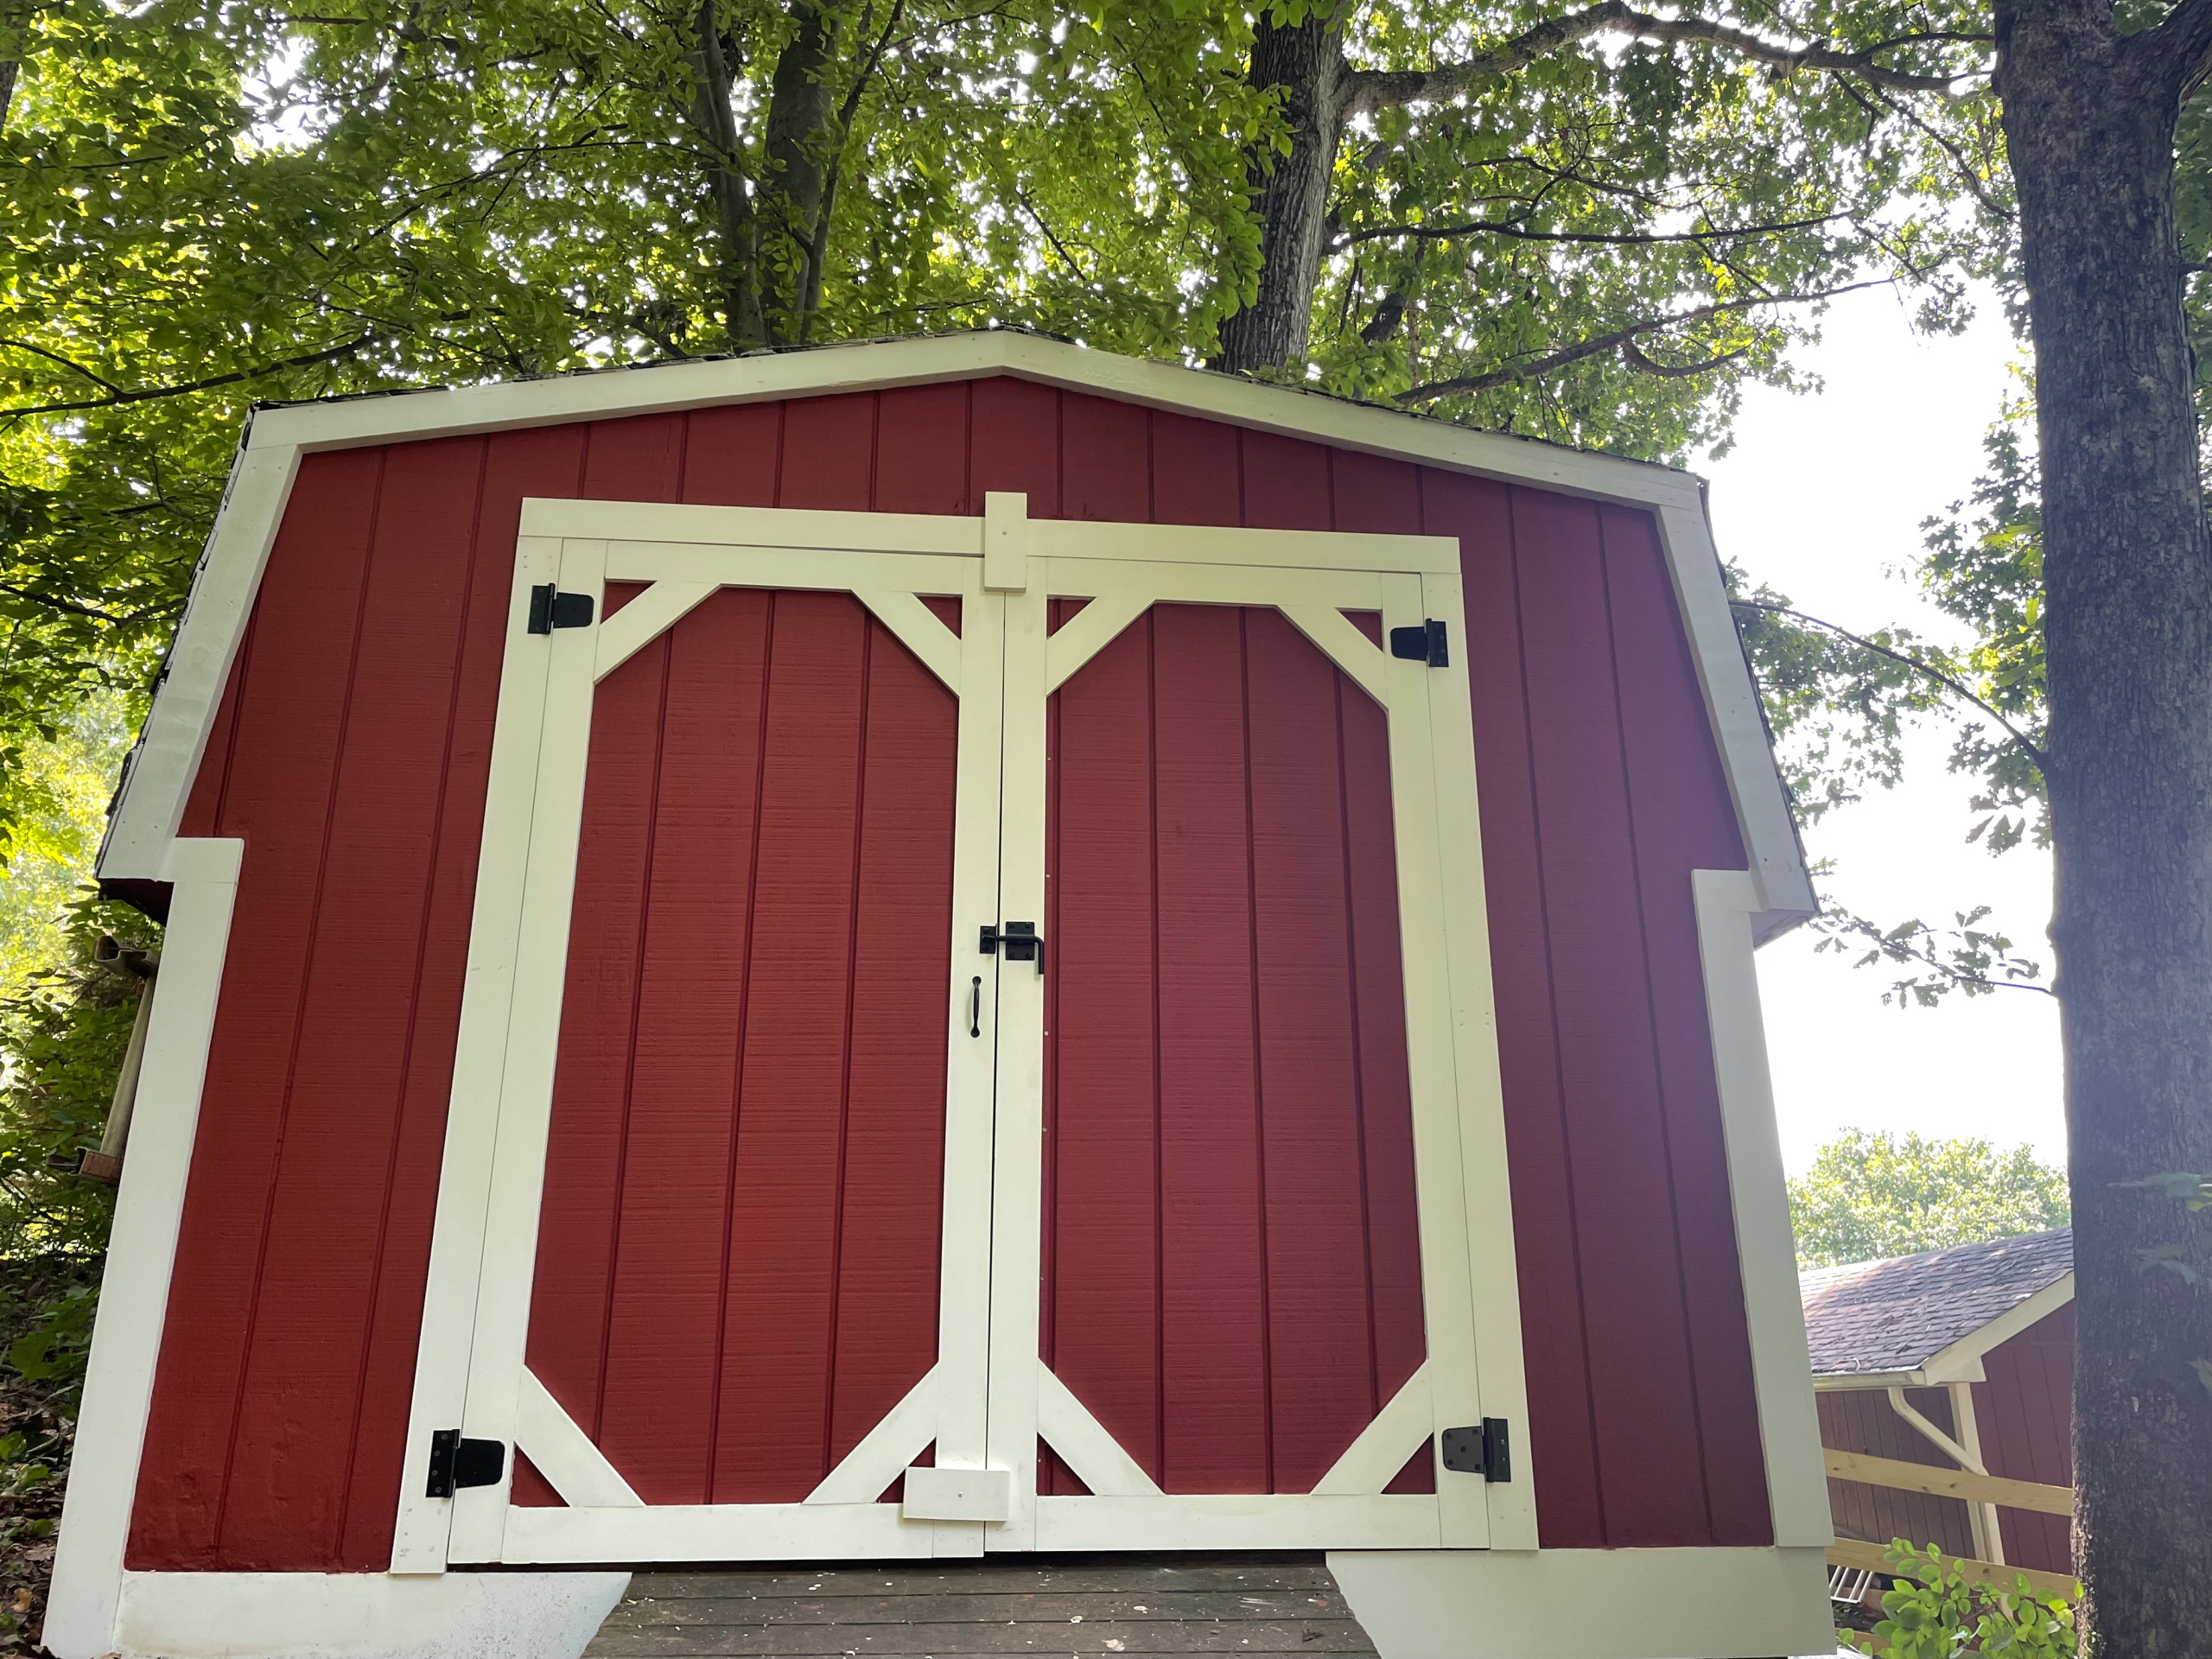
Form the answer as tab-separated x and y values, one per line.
801	129
1291	193
729	195
2089	121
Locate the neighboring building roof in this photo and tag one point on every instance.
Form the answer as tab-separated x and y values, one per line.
1915	1318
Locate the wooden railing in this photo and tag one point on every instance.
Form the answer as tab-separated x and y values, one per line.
1950	1482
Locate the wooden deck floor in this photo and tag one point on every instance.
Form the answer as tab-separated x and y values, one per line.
1261	1606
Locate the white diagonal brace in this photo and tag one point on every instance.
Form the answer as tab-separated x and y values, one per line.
885	1450
644	619
564	1454
918	629
1373	1460
1066	1425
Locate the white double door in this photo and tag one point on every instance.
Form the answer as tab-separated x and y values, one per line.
1020	685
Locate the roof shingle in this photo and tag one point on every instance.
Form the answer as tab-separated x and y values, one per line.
1876	1317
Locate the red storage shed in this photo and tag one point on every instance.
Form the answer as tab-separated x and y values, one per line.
940	946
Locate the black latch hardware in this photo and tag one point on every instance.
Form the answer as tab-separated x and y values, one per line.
1484	1451
1425	643
551	608
1021	940
455	1463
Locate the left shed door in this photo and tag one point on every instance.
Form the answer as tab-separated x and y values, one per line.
717	1093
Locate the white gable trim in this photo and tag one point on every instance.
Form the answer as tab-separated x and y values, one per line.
159	774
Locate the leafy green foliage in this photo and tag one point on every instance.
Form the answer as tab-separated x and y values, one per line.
62	1036
1933	1611
1871	1195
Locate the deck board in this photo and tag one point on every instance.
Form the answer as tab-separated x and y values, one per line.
1131	1606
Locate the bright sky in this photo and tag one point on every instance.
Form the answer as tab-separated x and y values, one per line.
1823	495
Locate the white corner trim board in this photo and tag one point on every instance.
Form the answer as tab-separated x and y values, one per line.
1727	903
81	1617
362	1615
159	774
1589	1603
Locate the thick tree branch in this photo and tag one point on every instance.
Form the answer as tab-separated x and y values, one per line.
2027	745
53	602
1619	340
305	360
1376	89
2180	48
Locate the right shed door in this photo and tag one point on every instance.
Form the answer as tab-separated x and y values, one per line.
1242	1152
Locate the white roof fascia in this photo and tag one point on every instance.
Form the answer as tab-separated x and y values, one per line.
159	775
1852	1381
1732	702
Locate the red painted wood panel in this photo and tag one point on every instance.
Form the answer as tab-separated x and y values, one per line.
731	456
1570	1501
1681	820
1581	685
2026	1416
1214	1224
1197	473
1861	1420
737	1273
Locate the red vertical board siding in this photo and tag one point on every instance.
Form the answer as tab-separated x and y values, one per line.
519	464
1105	460
2025	1413
1682	821
828	454
1570	1504
1643	1391
1285	483
1015	444
1197	473
731	455
292	711
1215	1337
205	800
1212	1286
737	1277
1861	1420
282	1396
662	1317
584	1145
921	461
358	998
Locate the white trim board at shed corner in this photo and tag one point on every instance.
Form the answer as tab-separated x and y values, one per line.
159	773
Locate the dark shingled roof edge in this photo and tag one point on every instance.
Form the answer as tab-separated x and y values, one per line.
1881	1318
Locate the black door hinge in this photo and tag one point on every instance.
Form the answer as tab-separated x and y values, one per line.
1022	942
1425	643
551	608
1484	1451
455	1463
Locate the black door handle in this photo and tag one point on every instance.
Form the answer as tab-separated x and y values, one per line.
975	1013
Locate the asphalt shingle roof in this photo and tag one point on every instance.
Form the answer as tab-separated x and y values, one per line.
1875	1317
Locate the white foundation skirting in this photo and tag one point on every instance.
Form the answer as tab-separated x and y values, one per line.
1589	1603
362	1615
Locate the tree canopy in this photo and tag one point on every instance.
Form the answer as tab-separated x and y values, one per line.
1870	1194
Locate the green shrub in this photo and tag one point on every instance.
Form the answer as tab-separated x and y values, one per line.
1933	1611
